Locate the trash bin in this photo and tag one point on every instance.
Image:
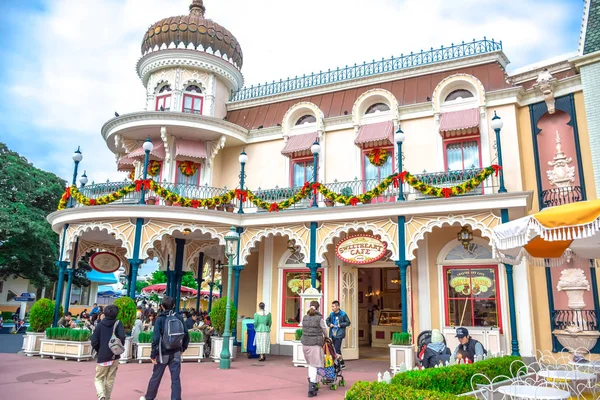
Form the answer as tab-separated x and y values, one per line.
250	345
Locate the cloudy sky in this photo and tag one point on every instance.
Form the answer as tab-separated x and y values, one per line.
67	65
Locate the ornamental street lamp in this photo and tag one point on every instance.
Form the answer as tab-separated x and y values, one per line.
315	150
243	159
147	146
77	157
399	138
84	179
497	125
231	248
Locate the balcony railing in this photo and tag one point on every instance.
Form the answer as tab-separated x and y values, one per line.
560	195
349	188
412	60
584	319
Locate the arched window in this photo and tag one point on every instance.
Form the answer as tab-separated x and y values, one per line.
163	100
459	94
377	107
192	102
306	119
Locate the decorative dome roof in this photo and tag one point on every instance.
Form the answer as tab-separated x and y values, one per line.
196	30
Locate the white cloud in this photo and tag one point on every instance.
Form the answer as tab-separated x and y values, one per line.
83	66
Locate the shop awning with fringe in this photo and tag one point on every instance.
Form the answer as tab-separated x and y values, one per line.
459	120
125	164
299	144
190	148
158	151
377	132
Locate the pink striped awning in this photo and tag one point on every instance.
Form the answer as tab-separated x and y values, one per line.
125	164
190	148
299	143
158	151
380	131
459	120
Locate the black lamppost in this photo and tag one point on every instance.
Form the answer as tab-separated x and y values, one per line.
147	146
243	159
497	125
315	150
399	138
77	157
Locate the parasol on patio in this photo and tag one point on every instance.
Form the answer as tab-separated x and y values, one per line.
188	292
553	236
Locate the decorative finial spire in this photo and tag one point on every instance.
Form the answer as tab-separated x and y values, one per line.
197	8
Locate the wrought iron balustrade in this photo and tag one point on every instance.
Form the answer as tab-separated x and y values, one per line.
583	319
560	195
411	60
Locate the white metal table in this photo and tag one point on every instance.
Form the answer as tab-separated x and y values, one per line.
591	365
534	392
568	376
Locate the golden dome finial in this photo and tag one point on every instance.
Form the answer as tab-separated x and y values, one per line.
197	8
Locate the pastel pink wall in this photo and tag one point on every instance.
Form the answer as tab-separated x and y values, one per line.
560	298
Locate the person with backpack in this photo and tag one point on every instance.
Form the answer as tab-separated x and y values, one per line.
108	335
169	339
337	322
469	348
435	352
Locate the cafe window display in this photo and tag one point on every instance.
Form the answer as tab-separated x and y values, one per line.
296	281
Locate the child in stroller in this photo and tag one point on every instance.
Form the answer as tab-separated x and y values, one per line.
331	373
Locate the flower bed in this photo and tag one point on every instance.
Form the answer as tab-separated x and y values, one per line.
443	383
67	343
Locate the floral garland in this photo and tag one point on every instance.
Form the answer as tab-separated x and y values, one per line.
154	167
131	175
377	156
282	205
188	168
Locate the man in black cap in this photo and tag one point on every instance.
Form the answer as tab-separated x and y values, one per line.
468	348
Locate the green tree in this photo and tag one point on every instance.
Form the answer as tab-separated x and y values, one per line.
187	279
139	285
28	245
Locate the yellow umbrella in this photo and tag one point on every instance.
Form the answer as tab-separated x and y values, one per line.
555	235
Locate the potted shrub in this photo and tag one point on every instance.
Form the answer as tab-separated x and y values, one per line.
67	343
195	350
329	202
229	207
401	351
40	319
144	346
127	311
297	353
217	319
151	200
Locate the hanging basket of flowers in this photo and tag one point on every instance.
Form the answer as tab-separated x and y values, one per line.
378	157
188	168
154	167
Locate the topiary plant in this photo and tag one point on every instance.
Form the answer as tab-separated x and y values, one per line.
127	311
298	334
41	315
217	315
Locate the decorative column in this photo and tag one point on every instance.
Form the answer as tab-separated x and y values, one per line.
168	275
179	253
313	265
70	272
211	285
403	265
199	278
237	270
135	261
61	277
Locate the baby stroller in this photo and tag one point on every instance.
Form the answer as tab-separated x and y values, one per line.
19	327
331	373
423	340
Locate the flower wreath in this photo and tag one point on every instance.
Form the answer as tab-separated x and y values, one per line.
188	168
378	157
154	167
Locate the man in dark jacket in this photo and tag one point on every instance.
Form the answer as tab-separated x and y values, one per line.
469	350
106	369
337	322
191	321
162	357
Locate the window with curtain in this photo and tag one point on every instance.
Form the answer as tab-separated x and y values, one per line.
183	180
373	175
302	171
462	155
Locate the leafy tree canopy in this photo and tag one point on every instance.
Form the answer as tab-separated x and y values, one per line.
28	246
139	285
186	280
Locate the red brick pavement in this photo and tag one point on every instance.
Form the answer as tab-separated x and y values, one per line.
27	378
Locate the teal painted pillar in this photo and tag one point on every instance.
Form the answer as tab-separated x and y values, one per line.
62	266
403	265
199	278
179	253
135	261
211	285
313	265
237	269
134	265
70	272
510	287
594	282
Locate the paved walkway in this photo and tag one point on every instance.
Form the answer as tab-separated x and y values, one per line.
34	378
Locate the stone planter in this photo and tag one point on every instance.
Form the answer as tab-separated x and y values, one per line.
128	354
31	343
217	346
401	355
143	352
66	349
298	355
577	342
194	352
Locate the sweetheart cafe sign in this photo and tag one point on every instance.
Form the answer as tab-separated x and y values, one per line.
361	249
105	262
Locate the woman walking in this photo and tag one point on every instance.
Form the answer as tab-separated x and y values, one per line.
314	332
262	327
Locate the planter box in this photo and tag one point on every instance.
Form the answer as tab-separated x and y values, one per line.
143	352
217	346
194	352
66	349
128	354
298	355
31	343
401	355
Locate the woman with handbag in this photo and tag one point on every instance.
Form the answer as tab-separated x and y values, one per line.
314	332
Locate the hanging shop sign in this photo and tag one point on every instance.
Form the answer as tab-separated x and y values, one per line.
471	283
105	262
361	249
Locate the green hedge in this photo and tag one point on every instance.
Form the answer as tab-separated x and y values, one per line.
196	337
72	335
454	379
383	391
7	315
145	337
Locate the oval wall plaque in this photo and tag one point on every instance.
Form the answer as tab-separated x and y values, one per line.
105	262
361	249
